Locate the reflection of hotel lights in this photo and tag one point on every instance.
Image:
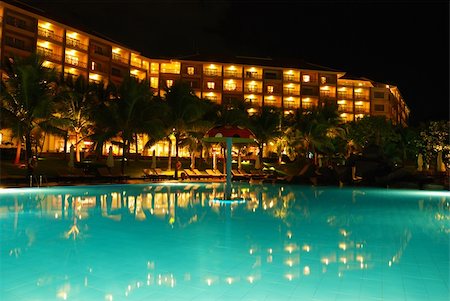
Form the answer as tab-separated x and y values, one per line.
251	251
289	262
250	279
306	270
325	260
289	234
229	280
306	248
289	277
270	251
342	246
343	232
343	260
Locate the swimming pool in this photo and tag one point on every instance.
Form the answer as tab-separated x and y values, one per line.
177	242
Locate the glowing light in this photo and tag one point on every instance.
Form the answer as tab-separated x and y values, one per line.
229	280
289	277
306	248
108	297
56	215
250	279
270	251
209	281
360	258
342	231
343	260
306	270
72	35
289	262
342	246
325	260
251	251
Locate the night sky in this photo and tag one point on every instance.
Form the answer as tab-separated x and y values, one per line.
405	43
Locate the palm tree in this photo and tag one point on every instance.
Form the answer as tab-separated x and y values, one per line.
186	111
27	99
266	126
76	101
314	129
132	112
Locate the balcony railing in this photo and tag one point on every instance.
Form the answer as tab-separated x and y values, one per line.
361	110
19	44
236	89
74	61
291	92
118	58
235	74
253	90
209	72
345	108
291	106
74	43
308	106
48	53
49	34
290	78
344	96
253	75
19	24
165	70
359	96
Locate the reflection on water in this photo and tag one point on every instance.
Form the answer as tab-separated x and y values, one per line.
71	242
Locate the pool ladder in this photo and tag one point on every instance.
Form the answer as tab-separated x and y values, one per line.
34	179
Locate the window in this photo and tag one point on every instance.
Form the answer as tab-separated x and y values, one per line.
96	66
323	79
230	86
169	83
378	108
251	74
210	85
154	82
190	70
306	78
252	88
378	94
269	89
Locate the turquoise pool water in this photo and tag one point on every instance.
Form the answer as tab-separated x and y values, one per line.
174	242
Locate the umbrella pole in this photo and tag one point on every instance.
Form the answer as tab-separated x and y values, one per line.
229	160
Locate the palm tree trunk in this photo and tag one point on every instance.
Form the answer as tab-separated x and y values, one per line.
77	150
18	150
124	154
28	153
176	156
136	144
169	161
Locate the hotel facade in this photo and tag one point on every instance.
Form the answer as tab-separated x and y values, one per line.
260	81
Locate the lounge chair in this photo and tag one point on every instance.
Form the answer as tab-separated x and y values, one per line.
190	174
111	174
215	174
203	175
239	175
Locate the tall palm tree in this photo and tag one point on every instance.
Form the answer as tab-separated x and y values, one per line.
186	111
133	112
314	129
27	98
76	101
266	125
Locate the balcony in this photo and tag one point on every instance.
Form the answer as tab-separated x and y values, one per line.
18	44
252	90
361	110
48	54
359	96
342	95
308	106
19	23
211	72
118	58
76	44
232	90
253	75
289	92
290	78
49	34
345	108
74	61
232	73
291	106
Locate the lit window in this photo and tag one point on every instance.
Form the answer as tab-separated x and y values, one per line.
169	83
306	78
230	85
210	85
269	89
154	82
323	80
190	70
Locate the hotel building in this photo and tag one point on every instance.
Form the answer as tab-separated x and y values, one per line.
260	81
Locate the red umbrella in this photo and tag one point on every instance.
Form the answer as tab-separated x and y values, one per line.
237	133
